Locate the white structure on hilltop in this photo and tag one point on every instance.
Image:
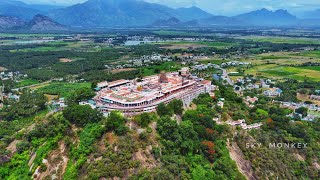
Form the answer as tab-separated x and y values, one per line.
132	97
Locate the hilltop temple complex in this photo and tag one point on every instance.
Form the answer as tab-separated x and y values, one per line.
144	95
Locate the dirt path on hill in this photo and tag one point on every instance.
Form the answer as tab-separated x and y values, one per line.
244	166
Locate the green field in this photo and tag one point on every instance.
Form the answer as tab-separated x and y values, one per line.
176	33
315	113
314	54
195	44
272	57
62	46
168	67
282	40
27	82
212	61
281	72
62	89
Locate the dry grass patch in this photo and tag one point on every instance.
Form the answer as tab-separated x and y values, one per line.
2	69
184	46
65	60
122	70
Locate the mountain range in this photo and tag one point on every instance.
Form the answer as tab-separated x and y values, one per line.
138	13
37	23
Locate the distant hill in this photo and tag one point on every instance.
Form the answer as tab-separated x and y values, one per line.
23	10
264	17
221	21
44	23
192	13
138	13
38	23
7	22
121	13
167	23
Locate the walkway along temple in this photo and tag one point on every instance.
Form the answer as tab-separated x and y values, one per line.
133	97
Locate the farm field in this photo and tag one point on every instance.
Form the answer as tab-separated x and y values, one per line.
287	40
27	82
62	89
281	65
61	46
156	69
282	72
314	54
194	44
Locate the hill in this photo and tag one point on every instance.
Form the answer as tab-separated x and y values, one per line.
121	13
38	23
264	17
23	10
7	22
44	23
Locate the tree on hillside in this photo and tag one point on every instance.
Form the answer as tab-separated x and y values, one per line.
177	106
80	95
82	115
116	122
144	119
163	110
303	111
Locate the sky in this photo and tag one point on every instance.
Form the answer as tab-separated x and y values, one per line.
219	7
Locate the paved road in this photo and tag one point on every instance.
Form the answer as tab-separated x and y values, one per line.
226	76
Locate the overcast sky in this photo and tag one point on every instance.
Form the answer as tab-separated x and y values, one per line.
220	7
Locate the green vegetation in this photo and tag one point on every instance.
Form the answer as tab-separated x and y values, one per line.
63	89
82	115
283	72
283	40
26	82
28	104
156	69
172	143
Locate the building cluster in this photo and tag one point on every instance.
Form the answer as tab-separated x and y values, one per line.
133	97
145	60
11	75
148	60
249	83
56	105
242	123
234	63
273	92
201	67
293	106
250	101
311	108
315	97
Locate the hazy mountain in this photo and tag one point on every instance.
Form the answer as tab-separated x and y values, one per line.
192	13
123	13
44	23
138	13
168	22
23	10
38	23
221	21
265	17
7	22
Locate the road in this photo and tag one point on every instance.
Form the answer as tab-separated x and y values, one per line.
35	85
226	77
